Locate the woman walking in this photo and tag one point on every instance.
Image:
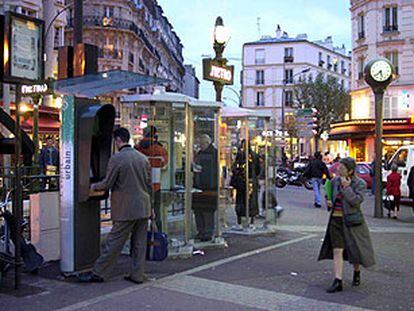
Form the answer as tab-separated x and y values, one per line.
347	236
393	188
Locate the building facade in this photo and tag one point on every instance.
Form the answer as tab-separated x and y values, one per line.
191	82
133	36
272	66
380	29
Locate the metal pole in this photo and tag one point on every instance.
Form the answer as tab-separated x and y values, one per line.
219	90
379	95
219	174
78	22
247	147
17	198
188	173
266	168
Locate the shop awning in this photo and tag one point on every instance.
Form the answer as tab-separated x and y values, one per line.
103	83
236	112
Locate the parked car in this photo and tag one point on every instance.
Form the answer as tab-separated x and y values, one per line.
363	171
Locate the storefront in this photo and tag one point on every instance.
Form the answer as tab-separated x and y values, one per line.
359	137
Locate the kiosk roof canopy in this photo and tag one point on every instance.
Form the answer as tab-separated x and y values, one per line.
236	112
168	97
103	83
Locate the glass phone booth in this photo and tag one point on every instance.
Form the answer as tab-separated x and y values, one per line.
247	184
178	134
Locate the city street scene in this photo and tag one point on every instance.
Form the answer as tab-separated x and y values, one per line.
206	155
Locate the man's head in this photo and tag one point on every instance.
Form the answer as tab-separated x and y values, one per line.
121	136
49	142
318	155
205	141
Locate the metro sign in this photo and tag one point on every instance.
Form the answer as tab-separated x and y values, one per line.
213	71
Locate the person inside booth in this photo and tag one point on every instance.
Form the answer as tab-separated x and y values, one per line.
49	160
158	158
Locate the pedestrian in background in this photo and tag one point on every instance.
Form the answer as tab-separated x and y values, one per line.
347	236
128	176
49	161
410	184
393	188
238	182
316	170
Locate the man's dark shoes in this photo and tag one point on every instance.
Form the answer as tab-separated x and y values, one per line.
335	287
357	278
129	279
317	205
89	277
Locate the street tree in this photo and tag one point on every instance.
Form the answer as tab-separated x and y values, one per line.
327	96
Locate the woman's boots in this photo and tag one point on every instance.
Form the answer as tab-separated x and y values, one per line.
337	283
335	287
356	281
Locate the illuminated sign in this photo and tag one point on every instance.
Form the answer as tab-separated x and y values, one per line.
213	71
35	89
23	49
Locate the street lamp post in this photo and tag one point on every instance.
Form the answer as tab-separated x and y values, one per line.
221	37
379	73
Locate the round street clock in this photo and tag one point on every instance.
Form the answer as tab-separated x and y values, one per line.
379	73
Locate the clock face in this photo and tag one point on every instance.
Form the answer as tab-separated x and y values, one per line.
381	71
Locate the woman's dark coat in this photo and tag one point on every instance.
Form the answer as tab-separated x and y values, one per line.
359	248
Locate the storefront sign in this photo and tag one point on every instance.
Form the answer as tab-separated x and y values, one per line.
23	49
212	71
37	89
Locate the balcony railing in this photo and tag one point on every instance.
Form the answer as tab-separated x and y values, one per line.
390	28
113	22
109	53
321	62
288	59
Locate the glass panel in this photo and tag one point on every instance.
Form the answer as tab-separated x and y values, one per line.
205	197
161	137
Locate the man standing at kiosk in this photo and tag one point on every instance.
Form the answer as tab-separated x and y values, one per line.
129	178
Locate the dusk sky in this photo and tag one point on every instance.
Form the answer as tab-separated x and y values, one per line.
193	21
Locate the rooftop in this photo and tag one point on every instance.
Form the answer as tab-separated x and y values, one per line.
283	37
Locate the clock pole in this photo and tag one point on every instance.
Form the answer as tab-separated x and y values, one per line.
379	97
379	73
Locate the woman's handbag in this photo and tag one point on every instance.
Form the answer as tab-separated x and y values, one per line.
388	202
353	219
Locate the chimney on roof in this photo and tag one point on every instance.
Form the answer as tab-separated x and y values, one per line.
285	35
278	32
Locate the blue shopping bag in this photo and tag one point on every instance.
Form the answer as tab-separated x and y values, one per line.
157	244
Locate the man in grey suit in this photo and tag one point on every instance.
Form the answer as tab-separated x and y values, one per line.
128	177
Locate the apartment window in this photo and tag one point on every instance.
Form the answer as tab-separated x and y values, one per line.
342	83
328	61
29	12
260	99
390	107
335	64
288	76
131	58
343	69
109	11
288	55
58	38
361	64
288	98
391	19
393	58
321	62
259	77
361	26
260	56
